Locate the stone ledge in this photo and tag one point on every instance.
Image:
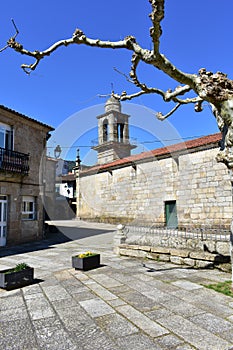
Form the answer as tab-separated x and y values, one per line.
133	253
160	250
196	259
183	253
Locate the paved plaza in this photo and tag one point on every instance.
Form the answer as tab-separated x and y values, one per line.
126	303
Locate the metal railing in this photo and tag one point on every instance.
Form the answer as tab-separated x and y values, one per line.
15	162
213	233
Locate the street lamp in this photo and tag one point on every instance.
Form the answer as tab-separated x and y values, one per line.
57	151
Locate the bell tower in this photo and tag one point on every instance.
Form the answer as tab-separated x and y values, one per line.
113	133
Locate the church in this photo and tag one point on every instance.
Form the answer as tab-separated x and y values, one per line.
173	186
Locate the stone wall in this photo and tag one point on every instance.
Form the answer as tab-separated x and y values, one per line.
204	190
137	193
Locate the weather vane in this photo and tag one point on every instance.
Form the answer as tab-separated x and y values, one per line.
108	95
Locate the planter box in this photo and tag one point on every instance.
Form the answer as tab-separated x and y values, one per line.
87	263
18	279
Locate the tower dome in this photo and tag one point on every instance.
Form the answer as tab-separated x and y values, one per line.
112	104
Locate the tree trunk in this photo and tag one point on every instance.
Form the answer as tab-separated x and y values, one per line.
231	244
231	253
231	233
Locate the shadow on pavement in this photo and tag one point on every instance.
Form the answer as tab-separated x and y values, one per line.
63	234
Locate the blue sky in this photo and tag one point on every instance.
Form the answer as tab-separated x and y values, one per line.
196	34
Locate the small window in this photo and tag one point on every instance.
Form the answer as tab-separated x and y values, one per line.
28	208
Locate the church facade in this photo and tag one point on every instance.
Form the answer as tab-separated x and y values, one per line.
173	186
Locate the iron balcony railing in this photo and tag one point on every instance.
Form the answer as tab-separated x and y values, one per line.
15	162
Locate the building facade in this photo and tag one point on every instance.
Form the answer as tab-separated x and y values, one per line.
173	186
22	186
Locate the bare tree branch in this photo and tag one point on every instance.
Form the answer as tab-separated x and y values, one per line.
216	88
160	116
156	16
13	38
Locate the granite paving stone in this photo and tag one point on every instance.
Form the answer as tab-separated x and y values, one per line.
116	302
92	337
71	283
64	303
163	286
170	341
186	347
158	296
76	312
80	276
227	335
187	285
127	303
116	326
17	335
56	292
215	306
138	342
102	292
39	308
31	289
140	286
9	302
17	313
84	295
120	289
74	318
123	278
143	322
193	334
47	322
138	300
96	307
56	338
36	296
215	324
182	308
106	281
160	312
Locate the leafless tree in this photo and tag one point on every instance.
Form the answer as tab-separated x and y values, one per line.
214	88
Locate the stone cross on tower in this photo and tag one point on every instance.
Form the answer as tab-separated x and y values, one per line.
113	133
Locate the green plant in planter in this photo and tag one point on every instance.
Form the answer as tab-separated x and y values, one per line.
86	261
86	255
16	277
18	267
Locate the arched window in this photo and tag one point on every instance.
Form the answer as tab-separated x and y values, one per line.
105	130
120	130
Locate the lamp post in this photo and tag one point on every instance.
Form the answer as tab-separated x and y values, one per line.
57	151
